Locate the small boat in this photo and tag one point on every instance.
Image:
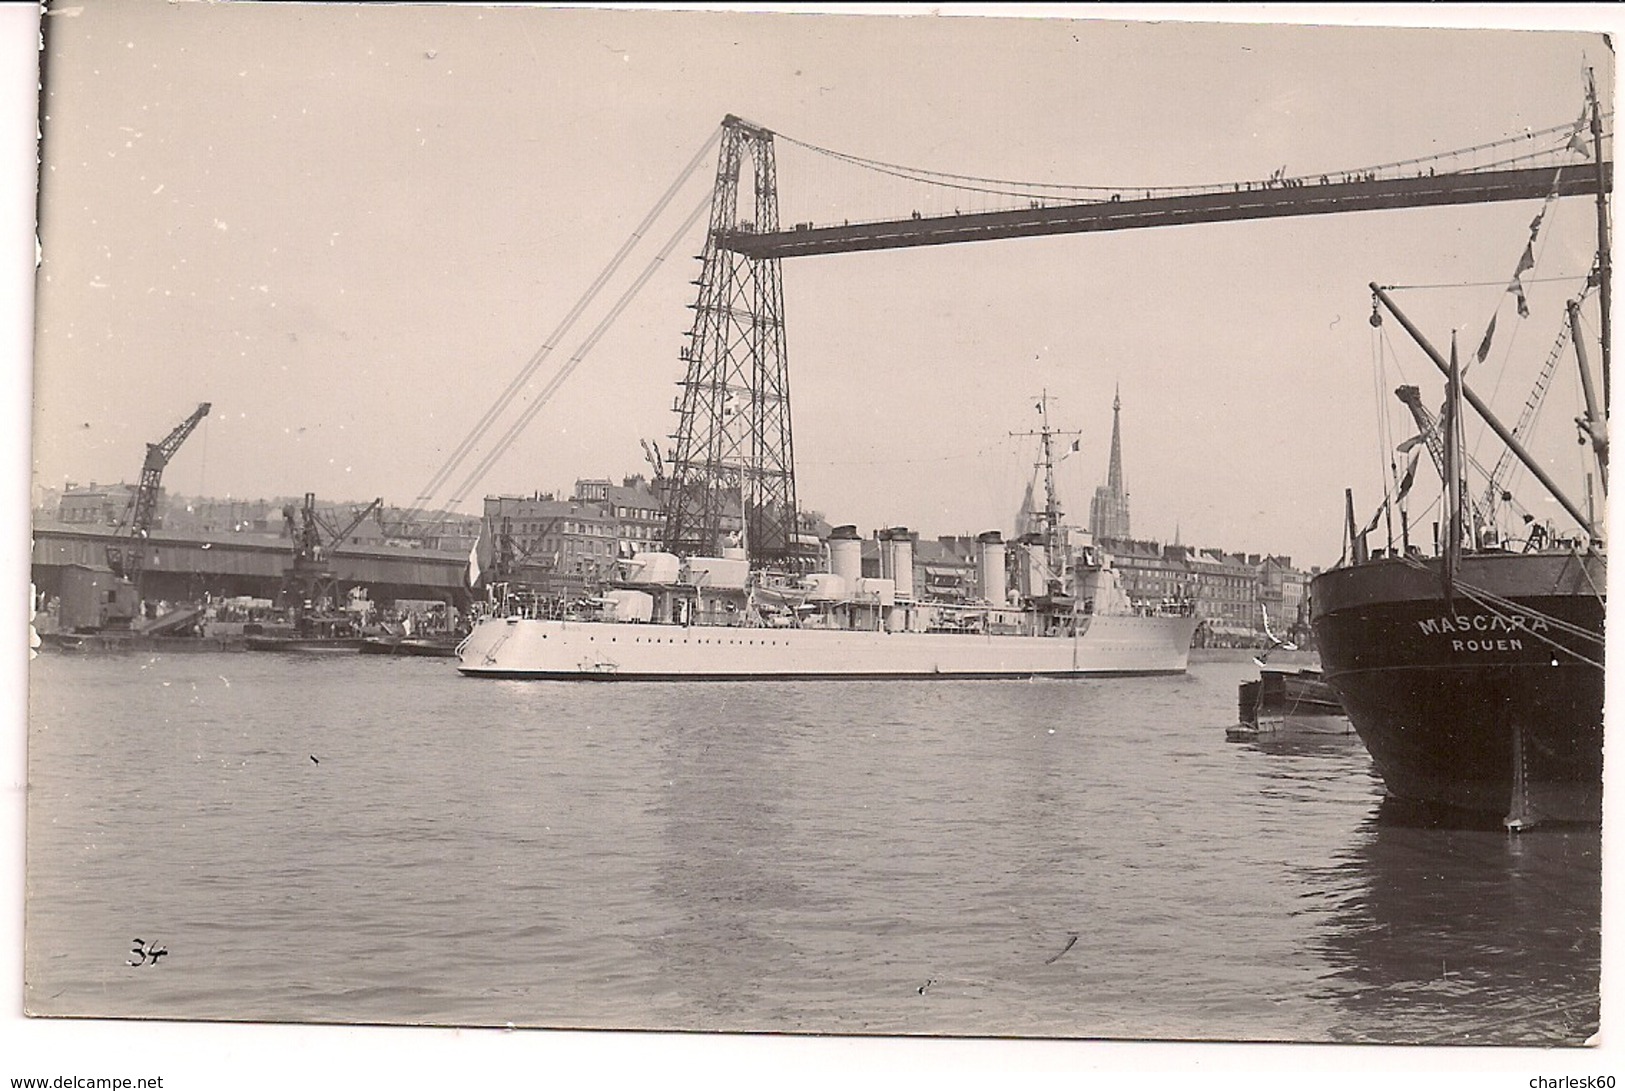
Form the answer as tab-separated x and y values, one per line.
1299	700
311	632
442	647
125	642
303	644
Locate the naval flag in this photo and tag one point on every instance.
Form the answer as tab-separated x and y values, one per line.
474	563
1576	141
1527	262
1408	479
1516	288
1484	345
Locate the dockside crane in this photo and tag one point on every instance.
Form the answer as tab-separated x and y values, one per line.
127	554
1433	437
310	584
512	556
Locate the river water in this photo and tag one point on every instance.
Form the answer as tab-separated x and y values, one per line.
365	839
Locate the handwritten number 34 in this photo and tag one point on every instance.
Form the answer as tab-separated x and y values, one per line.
144	953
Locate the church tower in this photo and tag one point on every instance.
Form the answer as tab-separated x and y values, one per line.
1108	511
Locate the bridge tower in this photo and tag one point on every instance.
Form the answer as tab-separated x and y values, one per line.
731	475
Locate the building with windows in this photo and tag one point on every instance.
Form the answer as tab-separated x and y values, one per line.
640	518
1225	590
557	546
99	505
1150	574
1283	592
562	546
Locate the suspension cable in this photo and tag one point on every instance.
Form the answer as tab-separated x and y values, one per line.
523	376
981	183
546	394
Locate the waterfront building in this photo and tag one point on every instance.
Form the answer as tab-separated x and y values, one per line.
209	515
1281	592
1225	587
640	517
97	505
561	545
945	568
556	545
1150	573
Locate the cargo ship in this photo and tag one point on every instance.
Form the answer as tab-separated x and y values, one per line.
1474	676
1486	700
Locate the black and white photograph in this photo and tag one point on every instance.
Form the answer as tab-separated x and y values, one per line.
1029	535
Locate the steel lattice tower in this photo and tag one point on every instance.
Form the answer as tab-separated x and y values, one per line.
733	463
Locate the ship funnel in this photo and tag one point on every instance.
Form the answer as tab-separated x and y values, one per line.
846	554
990	567
897	559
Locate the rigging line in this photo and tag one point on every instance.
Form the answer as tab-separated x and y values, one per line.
517	383
1510	620
1481	283
1472	460
1509	608
1548	208
1503	466
1489	598
1524	158
569	366
1038	189
519	380
924	173
1049	191
1385	453
1586	572
203	463
899	461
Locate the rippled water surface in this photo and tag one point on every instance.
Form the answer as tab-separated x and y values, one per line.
377	840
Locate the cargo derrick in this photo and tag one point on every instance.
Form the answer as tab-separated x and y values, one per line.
309	587
128	560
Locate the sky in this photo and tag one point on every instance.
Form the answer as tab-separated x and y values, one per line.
350	227
350	247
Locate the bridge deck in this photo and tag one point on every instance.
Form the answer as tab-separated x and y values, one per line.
1128	212
255	558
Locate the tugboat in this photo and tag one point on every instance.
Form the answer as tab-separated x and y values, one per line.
1475	676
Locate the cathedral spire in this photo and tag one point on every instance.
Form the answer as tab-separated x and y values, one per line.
1108	512
1114	473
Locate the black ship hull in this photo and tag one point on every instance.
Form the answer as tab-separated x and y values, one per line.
1490	700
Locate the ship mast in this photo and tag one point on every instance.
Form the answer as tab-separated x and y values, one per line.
1054	549
1594	425
1604	268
